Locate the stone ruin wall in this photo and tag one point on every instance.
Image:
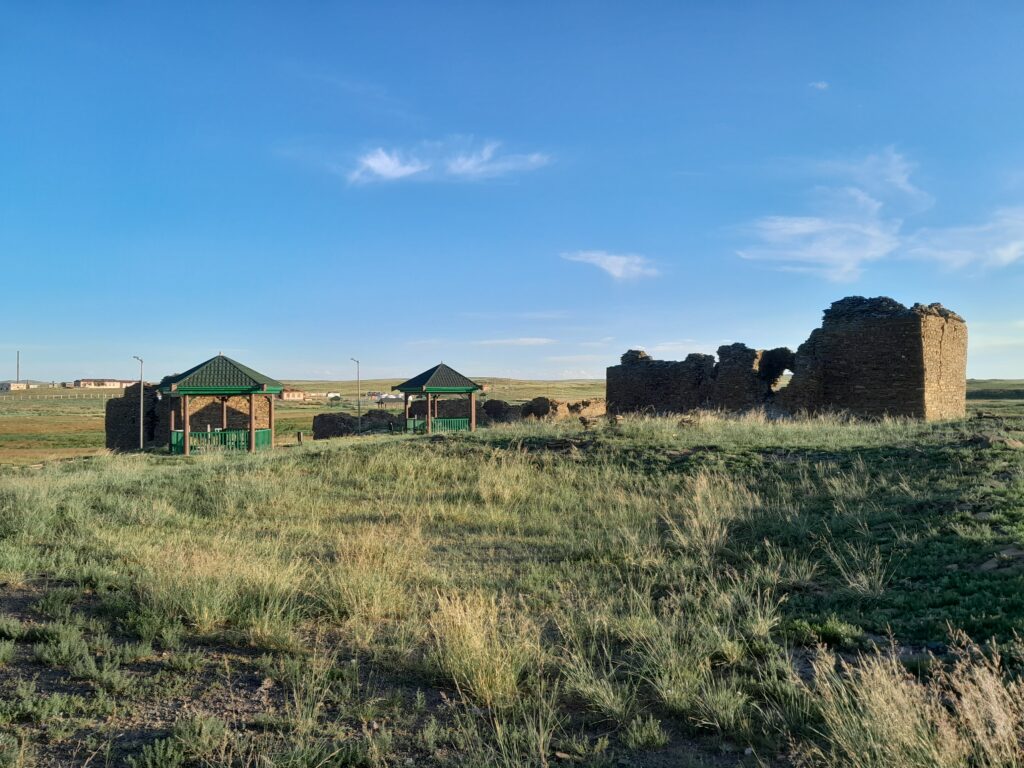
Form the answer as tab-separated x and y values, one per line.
122	416
871	357
488	412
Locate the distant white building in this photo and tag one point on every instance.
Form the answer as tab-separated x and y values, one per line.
104	383
13	386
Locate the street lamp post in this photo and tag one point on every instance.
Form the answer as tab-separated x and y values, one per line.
142	406
359	401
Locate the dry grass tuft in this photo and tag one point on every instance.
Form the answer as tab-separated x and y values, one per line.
484	646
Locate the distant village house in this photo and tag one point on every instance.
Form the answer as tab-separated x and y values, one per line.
103	383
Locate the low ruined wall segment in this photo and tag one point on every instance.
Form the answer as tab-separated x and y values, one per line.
871	357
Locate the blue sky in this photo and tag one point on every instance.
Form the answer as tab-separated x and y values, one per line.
518	189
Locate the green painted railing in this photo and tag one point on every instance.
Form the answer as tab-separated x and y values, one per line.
221	440
419	426
449	425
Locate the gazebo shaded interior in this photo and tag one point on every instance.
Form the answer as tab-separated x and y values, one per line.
439	380
218	391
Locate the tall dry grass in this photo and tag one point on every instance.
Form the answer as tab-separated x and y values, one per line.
875	713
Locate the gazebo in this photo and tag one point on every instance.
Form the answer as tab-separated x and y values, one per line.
213	396
439	380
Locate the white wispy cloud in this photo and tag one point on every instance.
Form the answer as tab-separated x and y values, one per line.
997	242
861	217
521	341
486	162
885	174
381	165
456	159
621	266
835	245
818	85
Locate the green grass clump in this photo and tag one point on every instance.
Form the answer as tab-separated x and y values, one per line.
65	646
644	733
7	651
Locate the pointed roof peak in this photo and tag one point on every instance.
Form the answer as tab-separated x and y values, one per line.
221	373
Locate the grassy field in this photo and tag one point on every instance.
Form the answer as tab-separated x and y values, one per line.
704	592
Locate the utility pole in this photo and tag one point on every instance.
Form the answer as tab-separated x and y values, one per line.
142	406
359	401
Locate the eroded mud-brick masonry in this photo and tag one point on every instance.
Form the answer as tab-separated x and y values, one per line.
871	357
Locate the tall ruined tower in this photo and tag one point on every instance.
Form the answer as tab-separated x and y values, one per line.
876	357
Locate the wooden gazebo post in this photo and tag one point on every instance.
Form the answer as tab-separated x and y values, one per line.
429	420
472	411
224	413
252	423
270	400
184	423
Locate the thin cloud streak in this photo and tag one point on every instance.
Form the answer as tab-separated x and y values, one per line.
381	165
624	266
522	341
454	159
485	163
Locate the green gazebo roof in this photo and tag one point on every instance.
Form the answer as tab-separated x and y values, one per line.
220	375
440	378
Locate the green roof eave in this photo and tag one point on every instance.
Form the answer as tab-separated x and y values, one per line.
438	390
221	390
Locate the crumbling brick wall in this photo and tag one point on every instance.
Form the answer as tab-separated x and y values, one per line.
871	357
641	383
742	378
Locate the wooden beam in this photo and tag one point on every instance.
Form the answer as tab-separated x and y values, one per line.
406	396
270	399
185	424
252	423
428	414
224	413
472	411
